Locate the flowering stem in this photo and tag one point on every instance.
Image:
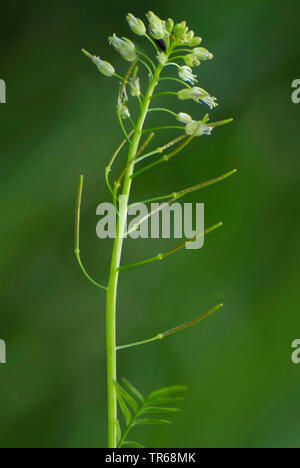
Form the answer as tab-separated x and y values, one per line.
111	347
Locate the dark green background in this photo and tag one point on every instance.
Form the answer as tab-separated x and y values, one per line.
59	122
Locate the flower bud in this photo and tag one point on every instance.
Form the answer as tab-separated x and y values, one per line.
195	41
125	47
189	36
202	54
169	25
191	60
157	26
180	28
104	67
186	74
136	25
184	118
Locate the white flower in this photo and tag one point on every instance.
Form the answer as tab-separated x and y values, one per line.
186	74
184	118
104	67
157	26
193	127
197	128
125	47
198	95
210	101
136	25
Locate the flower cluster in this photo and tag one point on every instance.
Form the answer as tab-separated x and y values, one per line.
175	45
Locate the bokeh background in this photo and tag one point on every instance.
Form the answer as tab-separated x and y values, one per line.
59	122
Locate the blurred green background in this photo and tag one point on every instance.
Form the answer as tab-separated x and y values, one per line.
59	122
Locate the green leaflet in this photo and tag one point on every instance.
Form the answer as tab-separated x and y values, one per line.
145	422
127	397
124	408
131	444
166	392
119	433
135	407
159	409
133	390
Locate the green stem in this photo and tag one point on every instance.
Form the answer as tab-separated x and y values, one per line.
148	58
98	285
111	348
164	93
77	235
122	125
146	66
167	127
152	42
162	109
175	79
138	343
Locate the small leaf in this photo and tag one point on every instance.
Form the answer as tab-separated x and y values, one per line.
159	409
146	422
166	400
166	392
133	390
119	432
123	407
128	398
132	444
